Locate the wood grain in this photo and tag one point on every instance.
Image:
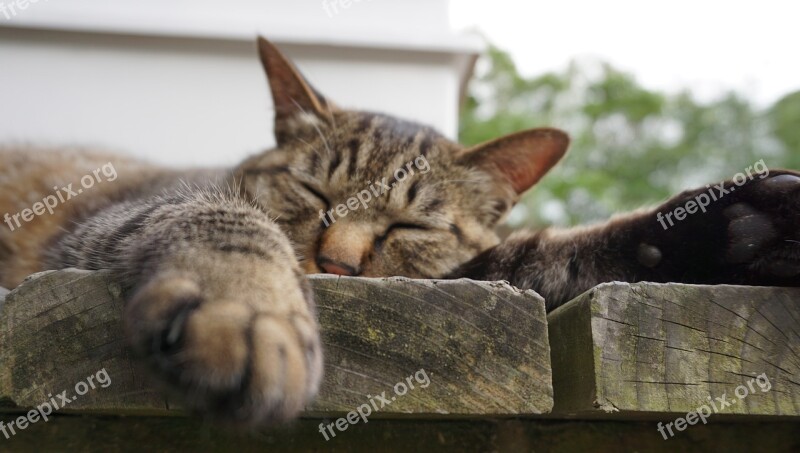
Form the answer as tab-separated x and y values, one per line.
483	346
654	348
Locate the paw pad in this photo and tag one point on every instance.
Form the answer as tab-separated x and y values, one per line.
648	255
749	231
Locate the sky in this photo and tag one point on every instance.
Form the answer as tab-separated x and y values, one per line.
708	46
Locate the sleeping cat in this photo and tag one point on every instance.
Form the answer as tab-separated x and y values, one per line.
213	261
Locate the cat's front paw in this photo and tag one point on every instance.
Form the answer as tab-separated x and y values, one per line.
738	232
764	226
234	358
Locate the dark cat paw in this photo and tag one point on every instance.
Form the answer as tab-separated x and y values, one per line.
239	359
744	232
764	228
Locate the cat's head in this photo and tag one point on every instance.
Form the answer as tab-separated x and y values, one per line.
367	194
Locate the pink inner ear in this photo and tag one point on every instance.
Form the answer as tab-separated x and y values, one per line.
523	158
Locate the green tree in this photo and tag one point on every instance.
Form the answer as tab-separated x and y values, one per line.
785	121
631	146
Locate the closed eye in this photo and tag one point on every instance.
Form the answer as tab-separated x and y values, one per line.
398	226
405	226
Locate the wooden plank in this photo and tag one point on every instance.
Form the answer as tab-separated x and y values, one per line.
483	346
177	434
642	349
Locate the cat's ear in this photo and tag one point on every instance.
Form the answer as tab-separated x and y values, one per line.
291	93
520	159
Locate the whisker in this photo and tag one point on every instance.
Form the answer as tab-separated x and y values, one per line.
308	144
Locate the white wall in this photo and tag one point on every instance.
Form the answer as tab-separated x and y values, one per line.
179	82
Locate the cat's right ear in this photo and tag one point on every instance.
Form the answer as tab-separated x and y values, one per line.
519	160
291	93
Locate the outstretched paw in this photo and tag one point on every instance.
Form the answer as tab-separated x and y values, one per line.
744	231
764	226
242	361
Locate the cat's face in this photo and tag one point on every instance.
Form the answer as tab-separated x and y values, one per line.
370	195
440	215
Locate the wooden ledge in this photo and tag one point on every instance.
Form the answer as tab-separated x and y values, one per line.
483	346
620	351
623	350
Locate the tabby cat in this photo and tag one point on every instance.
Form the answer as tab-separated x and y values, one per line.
213	261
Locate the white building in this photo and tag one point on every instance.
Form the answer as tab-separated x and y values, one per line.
179	82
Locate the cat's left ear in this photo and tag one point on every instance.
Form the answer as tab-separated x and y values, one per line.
520	159
291	93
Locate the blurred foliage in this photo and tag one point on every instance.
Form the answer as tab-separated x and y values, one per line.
631	146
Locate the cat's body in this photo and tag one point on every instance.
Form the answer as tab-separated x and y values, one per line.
213	261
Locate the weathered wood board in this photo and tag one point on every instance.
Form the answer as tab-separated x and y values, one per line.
637	349
483	346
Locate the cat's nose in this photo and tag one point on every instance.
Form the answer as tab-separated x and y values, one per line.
343	248
330	266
